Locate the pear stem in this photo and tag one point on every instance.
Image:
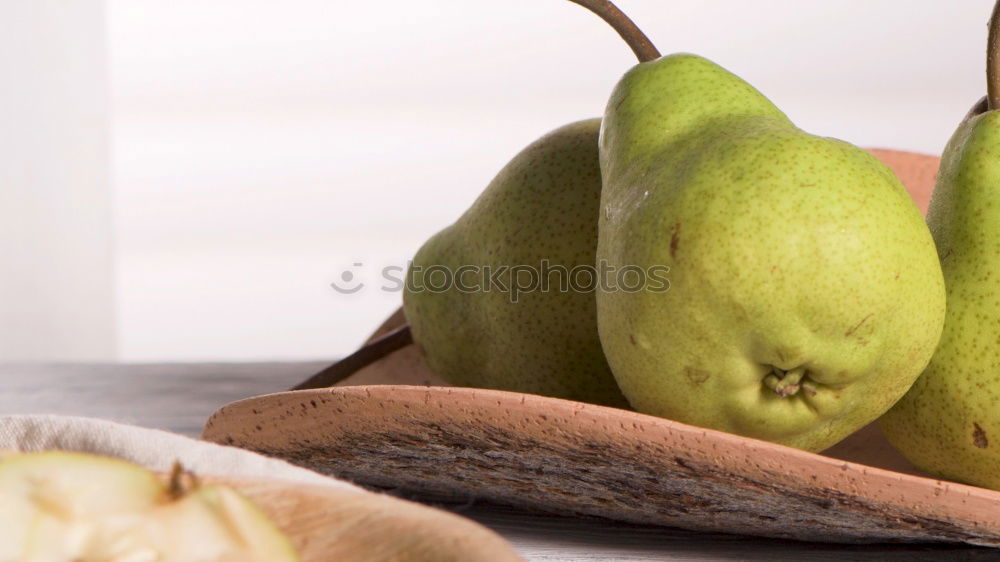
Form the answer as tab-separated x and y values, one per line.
178	487
370	353
643	48
993	59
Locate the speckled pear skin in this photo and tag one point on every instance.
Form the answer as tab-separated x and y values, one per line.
948	424
785	250
542	206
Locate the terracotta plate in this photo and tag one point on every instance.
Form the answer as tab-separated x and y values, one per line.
396	425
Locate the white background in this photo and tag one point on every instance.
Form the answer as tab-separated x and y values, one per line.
261	147
56	262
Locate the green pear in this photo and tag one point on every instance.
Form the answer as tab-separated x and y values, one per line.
949	422
805	293
491	327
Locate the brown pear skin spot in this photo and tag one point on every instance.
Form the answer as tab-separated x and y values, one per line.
858	325
696	376
979	436
632	340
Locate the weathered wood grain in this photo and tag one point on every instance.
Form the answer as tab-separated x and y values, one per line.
572	458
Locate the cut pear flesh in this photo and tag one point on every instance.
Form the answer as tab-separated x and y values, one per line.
73	507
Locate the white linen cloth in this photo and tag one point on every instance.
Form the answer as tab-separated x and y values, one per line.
152	448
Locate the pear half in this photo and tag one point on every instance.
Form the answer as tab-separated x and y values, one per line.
60	506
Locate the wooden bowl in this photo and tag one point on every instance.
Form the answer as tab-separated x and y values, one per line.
396	425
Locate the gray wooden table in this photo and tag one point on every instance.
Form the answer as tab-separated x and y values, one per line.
179	397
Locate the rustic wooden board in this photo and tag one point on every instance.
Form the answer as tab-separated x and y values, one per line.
403	429
574	458
331	524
